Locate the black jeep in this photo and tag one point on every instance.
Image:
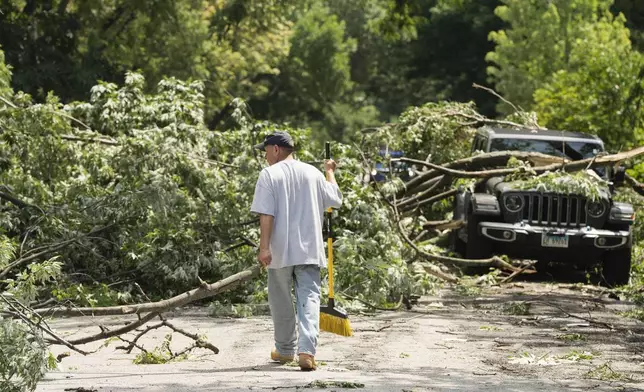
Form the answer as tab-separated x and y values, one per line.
542	226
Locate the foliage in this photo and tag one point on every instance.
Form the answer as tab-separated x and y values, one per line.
517	308
527	358
154	195
490	328
413	52
5	77
317	64
633	10
168	196
637	314
335	66
429	131
572	337
151	195
555	29
319	57
372	259
523	170
579	183
23	359
577	356
28	282
319	384
468	287
94	295
459	57
7	251
600	92
159	355
605	372
67	46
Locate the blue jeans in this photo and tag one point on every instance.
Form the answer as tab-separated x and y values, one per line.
307	299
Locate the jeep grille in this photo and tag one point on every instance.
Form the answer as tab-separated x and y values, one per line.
556	210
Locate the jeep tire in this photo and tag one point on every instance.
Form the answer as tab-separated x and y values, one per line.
477	247
456	244
616	267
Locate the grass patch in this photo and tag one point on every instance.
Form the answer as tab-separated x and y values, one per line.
517	308
467	290
160	355
637	314
577	356
490	328
606	373
156	358
571	337
334	384
526	358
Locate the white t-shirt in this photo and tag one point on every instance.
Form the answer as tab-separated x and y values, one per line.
296	194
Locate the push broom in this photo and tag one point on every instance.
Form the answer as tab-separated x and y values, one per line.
332	319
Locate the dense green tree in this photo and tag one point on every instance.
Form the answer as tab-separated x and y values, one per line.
449	54
409	53
5	77
538	41
405	56
315	76
633	10
601	92
65	46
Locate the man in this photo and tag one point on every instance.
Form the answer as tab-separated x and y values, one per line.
291	197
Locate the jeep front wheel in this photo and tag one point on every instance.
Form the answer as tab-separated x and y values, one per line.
616	267
477	247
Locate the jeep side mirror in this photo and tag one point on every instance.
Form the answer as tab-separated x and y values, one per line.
619	176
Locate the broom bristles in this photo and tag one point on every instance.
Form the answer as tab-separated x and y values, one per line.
337	325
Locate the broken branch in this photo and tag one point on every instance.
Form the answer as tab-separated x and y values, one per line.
47	250
19	203
107	142
56	339
491	159
180	300
637	186
444	224
430	200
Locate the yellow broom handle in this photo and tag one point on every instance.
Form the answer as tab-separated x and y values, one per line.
329	242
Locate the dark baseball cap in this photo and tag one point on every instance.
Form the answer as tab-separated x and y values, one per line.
277	138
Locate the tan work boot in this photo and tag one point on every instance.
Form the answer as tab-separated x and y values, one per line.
277	357
307	362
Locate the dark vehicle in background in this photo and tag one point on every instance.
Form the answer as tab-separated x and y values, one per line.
400	169
545	226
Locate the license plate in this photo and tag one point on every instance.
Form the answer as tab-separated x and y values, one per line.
554	240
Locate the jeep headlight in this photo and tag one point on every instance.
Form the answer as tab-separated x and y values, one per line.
513	203
595	209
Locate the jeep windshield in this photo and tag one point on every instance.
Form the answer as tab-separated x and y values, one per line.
573	150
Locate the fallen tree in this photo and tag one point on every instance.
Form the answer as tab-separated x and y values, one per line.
415	193
157	200
146	312
470	164
435	183
206	290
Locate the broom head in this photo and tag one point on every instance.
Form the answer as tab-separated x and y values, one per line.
334	320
